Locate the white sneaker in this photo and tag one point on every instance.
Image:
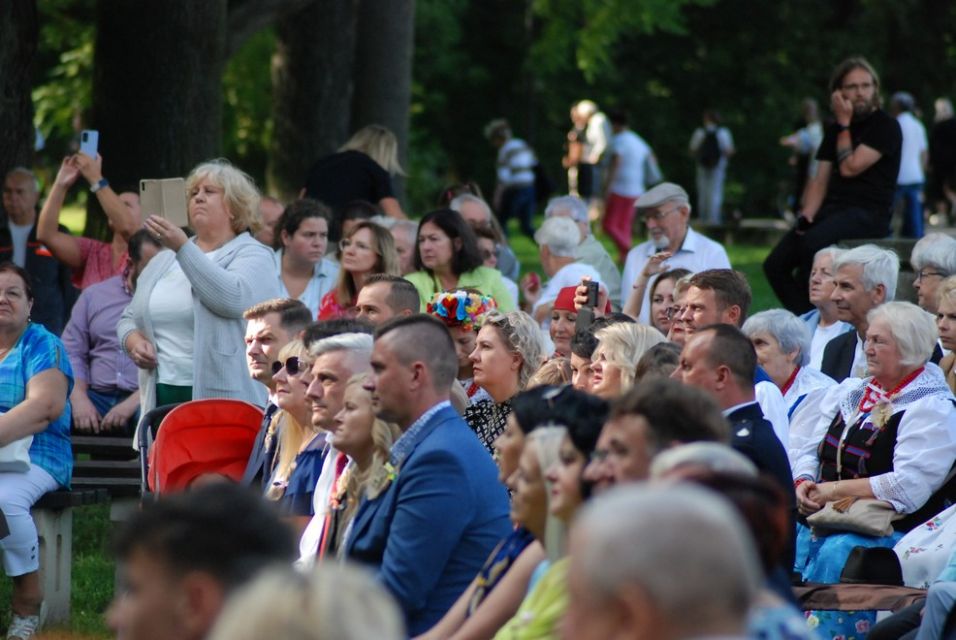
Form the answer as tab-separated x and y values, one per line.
23	627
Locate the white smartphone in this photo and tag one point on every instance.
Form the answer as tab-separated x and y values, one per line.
89	141
165	198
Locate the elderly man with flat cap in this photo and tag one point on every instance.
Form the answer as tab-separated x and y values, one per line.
665	210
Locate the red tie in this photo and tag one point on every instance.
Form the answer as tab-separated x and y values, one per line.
341	461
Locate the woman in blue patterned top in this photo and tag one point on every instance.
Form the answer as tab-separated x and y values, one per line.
35	382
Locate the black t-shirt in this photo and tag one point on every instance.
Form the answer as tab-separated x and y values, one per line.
874	188
343	177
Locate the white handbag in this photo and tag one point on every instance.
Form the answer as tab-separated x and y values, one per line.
15	457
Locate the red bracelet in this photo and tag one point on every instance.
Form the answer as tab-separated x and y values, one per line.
799	481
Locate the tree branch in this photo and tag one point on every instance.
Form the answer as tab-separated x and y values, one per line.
247	17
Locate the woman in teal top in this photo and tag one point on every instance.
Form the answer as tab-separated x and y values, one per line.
447	258
35	384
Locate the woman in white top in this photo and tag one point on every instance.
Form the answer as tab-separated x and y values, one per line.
302	238
184	327
889	436
822	321
782	343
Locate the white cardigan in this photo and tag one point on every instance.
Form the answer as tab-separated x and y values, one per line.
223	287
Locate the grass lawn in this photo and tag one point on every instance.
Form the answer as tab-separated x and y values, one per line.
92	564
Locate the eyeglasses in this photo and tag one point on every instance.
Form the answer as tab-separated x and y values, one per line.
675	311
927	274
361	246
487	255
293	366
657	216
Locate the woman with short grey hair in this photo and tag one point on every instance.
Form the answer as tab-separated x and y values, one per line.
822	321
782	343
934	260
886	437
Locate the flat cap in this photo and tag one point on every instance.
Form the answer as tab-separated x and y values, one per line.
664	192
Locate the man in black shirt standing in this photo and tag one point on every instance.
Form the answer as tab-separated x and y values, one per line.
851	195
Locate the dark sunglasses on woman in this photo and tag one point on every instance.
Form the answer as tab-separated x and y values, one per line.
292	366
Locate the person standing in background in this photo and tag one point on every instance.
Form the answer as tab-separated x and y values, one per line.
913	160
625	181
711	146
514	191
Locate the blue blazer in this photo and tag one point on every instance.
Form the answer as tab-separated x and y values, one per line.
431	530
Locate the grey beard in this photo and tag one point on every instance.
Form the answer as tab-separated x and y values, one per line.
661	243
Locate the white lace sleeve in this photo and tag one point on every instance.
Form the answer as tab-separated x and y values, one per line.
804	460
804	432
924	453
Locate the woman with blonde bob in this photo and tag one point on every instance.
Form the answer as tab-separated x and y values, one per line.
360	170
508	350
366	440
614	363
298	459
367	249
331	602
184	328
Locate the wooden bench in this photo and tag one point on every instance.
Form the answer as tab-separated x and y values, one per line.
53	515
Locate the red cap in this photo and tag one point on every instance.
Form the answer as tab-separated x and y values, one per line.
565	300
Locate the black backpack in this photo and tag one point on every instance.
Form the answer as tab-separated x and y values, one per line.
708	153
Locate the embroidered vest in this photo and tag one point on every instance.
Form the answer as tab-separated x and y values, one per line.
866	450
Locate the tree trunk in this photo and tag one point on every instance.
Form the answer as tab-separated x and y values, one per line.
157	89
18	45
312	89
383	69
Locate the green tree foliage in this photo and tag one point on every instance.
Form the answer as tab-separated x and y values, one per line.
664	61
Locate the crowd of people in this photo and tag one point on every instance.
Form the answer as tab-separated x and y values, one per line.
450	451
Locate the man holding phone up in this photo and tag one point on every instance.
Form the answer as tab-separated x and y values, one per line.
851	196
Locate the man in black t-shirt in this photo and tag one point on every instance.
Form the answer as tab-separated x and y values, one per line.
851	195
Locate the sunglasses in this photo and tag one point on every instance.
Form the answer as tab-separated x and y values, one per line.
293	366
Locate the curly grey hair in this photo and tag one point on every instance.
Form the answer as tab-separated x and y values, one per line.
523	336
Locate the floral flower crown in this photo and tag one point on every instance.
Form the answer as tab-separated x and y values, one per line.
460	308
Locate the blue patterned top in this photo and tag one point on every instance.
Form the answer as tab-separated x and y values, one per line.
36	351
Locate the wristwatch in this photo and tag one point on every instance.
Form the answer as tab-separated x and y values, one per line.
102	182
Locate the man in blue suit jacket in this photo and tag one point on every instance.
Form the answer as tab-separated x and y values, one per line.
431	530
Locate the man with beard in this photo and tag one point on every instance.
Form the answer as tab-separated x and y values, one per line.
851	195
671	244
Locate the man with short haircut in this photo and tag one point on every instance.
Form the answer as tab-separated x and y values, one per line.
53	291
665	210
337	359
270	210
384	297
589	251
660	563
405	234
184	555
327	328
558	239
651	417
865	277
270	325
723	296
721	360
851	195
430	531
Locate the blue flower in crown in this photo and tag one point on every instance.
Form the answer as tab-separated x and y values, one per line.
461	308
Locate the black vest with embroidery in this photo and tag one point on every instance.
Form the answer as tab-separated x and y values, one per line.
866	450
